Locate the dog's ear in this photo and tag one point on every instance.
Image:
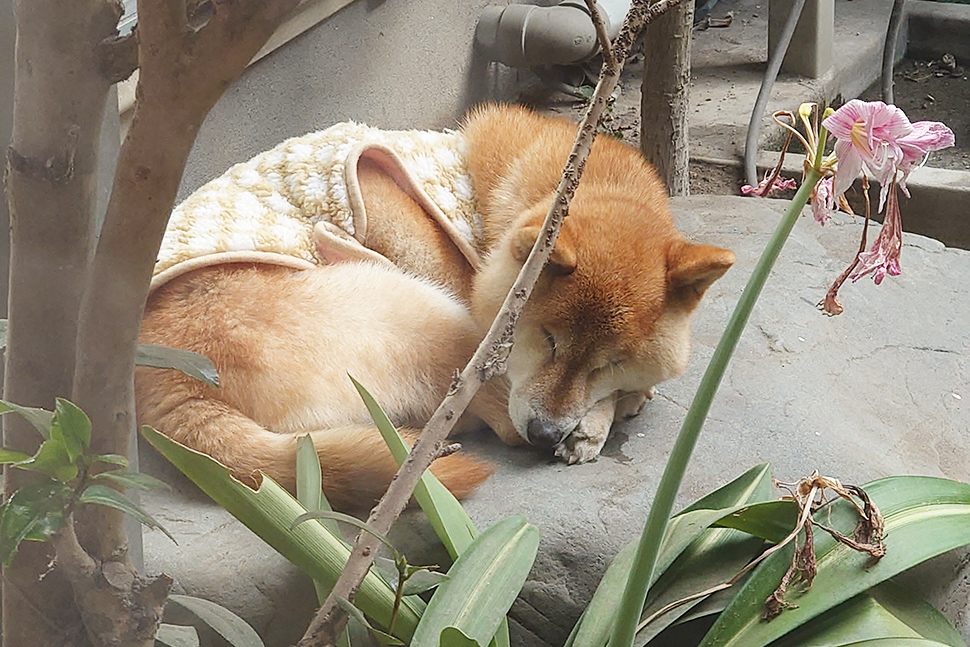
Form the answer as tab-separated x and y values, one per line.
691	269
563	257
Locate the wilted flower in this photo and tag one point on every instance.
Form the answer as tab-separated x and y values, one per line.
880	138
771	183
823	200
883	257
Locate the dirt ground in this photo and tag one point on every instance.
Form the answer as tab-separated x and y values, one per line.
930	90
935	91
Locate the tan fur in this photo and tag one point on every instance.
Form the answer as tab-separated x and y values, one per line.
284	342
609	320
617	296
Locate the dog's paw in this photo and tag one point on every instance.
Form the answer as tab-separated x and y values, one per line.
577	449
629	405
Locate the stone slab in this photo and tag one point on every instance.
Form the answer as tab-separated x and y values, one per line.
880	390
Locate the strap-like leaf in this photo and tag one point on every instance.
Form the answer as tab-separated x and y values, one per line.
422	580
887	612
482	584
106	496
347	519
268	512
227	624
192	364
177	636
924	517
450	521
687	531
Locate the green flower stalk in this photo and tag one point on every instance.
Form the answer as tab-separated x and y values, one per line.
641	574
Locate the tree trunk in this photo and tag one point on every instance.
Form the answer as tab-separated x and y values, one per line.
184	69
52	169
665	98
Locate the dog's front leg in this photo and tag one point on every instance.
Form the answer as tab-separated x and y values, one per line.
586	441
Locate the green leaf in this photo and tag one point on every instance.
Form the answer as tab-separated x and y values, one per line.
309	481
111	459
227	624
73	426
422	580
358	615
454	637
594	626
754	486
52	459
687	531
450	521
885	612
39	418
177	636
714	558
924	518
345	518
309	492
269	512
482	584
10	456
192	364
919	614
770	520
33	513
109	497
134	480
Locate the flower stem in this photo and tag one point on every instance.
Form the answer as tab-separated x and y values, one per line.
642	572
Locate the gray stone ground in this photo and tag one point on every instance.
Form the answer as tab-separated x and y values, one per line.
879	390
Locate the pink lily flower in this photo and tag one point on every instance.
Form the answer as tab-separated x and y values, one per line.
769	185
868	134
927	136
880	138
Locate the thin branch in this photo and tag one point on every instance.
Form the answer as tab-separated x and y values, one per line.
601	35
489	359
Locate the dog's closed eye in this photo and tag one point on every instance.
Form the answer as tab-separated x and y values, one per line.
550	340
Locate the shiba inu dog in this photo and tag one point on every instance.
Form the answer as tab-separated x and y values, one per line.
609	319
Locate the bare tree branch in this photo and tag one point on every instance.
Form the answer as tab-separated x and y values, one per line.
490	357
601	35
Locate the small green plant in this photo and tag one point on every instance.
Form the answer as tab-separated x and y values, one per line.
70	477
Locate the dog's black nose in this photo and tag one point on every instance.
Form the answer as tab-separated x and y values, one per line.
543	434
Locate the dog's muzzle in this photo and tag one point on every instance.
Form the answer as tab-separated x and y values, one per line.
543	434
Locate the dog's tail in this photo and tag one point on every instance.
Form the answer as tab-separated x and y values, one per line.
356	465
